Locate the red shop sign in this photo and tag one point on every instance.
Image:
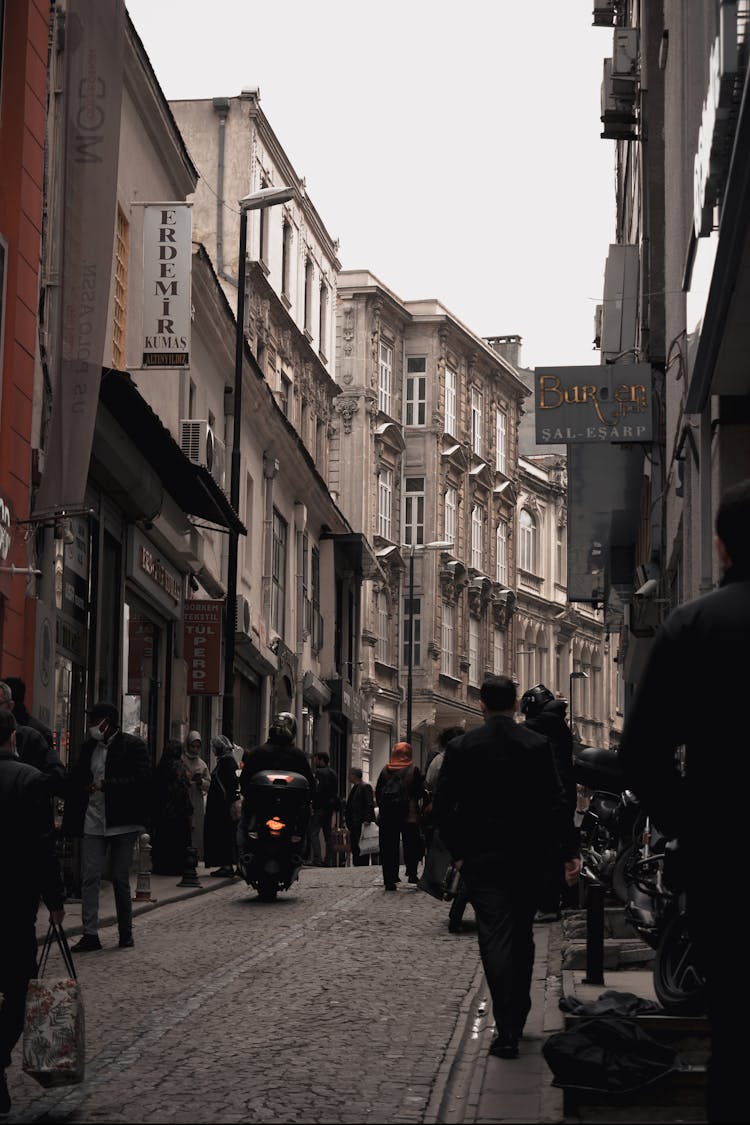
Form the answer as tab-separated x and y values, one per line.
203	645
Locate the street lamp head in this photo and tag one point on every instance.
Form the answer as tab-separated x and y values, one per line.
579	675
435	545
266	197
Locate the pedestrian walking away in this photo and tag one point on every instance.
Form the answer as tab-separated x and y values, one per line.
27	835
360	809
172	812
546	715
682	747
199	777
220	828
481	813
326	802
399	792
107	804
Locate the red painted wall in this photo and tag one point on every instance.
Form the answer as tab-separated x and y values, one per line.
22	122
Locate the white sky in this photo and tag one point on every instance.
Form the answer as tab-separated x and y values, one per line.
451	145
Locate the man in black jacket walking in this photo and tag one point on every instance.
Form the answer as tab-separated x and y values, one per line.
31	870
690	697
360	809
107	804
488	782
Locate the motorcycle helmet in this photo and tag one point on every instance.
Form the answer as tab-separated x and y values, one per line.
535	700
283	727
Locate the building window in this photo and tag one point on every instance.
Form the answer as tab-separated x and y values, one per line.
308	295
476	537
413	626
385	378
501	544
416	392
451	382
501	441
476	421
286	395
560	560
447	659
385	502
414	510
263	228
527	542
278	573
320	445
317	617
474	678
382	648
498	652
286	257
451	506
119	337
323	320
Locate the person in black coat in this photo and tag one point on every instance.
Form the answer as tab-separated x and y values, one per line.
34	742
220	826
488	781
360	809
546	715
107	805
172	812
326	802
31	871
684	754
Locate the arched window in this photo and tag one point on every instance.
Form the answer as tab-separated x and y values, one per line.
527	548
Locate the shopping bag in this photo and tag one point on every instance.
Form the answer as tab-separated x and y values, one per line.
436	865
53	1031
340	842
369	840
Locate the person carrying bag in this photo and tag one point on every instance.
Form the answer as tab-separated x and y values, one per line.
53	1030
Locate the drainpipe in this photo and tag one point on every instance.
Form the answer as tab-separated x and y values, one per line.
300	525
270	469
221	108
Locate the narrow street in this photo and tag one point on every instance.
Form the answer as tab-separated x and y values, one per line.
337	1003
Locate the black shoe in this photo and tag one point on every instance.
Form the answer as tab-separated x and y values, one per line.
504	1047
455	927
390	886
413	879
126	941
4	1096
547	916
223	873
87	944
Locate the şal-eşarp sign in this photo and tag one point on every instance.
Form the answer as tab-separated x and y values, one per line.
606	403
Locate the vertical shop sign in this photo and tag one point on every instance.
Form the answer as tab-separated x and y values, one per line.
167	259
202	647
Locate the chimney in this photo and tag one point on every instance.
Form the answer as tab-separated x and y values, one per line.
509	347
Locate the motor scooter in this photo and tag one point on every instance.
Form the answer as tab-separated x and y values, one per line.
608	825
272	831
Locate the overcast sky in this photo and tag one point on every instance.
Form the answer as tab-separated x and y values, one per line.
452	147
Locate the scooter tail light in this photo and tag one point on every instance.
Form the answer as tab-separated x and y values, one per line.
275	825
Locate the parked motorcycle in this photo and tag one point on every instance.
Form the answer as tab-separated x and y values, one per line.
609	823
272	832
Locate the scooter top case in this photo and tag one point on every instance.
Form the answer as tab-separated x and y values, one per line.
598	768
270	789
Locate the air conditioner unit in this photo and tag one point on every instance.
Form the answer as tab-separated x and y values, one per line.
604	13
625	55
598	314
244	616
201	446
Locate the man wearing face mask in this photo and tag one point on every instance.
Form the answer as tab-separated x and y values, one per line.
106	804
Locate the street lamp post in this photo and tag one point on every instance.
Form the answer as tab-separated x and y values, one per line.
437	545
266	197
575	676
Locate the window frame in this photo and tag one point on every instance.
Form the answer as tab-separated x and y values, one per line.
385	377
412	620
414	497
477	411
279	560
385	503
477	551
501	549
450	513
448	640
415	405
501	441
527	541
450	400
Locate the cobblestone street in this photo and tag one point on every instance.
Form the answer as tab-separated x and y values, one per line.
337	1003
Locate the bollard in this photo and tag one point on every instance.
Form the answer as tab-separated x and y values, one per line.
594	933
143	884
190	874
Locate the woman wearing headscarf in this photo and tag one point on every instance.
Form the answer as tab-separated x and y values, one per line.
172	811
198	776
220	829
398	793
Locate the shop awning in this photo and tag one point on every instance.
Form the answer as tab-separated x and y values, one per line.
191	486
358	553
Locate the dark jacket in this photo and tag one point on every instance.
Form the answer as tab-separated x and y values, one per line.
550	723
25	718
219	829
360	805
34	749
127	787
275	756
326	799
27	835
499	796
413	780
691	694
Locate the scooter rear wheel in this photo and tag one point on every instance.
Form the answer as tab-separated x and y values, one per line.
267	890
679	986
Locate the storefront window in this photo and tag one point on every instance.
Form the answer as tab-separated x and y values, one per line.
142	659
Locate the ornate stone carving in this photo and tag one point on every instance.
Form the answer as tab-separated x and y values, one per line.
347	408
348	330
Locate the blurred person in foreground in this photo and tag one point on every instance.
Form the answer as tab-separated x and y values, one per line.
699	662
481	809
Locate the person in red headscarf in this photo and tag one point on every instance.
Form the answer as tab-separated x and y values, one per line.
398	793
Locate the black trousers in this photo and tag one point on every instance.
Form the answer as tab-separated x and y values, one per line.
505	925
391	833
17	967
